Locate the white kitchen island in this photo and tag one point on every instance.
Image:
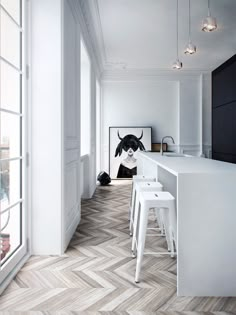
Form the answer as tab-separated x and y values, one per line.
205	192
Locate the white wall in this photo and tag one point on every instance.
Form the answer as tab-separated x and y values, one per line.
85	108
92	156
46	127
189	119
207	114
169	103
141	104
56	31
71	115
98	128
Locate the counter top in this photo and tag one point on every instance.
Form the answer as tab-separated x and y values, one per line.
189	165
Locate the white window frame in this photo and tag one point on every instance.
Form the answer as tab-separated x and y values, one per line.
19	257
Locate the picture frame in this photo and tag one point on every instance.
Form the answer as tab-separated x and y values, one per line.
124	143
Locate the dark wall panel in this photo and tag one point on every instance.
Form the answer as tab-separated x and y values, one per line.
234	128
224	112
222	129
223	87
222	157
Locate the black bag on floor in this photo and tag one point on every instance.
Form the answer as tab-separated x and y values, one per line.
103	178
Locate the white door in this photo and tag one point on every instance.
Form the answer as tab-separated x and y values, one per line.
12	136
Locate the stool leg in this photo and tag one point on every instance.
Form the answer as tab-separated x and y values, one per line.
135	227
165	219
132	211
131	197
141	239
159	220
173	228
172	251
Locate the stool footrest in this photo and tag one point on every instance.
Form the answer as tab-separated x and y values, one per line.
156	253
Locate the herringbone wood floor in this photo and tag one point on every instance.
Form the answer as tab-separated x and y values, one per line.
96	274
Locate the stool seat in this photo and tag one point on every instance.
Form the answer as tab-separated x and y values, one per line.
150	198
137	178
147	186
140	185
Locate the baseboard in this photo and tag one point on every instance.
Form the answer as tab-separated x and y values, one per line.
70	231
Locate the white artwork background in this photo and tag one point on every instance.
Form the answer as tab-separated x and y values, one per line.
114	141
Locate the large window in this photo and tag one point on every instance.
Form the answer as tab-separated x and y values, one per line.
85	112
98	127
12	144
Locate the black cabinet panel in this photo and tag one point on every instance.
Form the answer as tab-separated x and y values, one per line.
234	128
223	84
234	82
222	135
223	157
234	159
224	111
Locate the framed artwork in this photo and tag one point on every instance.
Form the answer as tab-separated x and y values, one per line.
124	143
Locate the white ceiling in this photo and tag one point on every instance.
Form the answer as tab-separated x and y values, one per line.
141	34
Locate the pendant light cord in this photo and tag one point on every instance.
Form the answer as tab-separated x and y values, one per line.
209	13
177	32
189	21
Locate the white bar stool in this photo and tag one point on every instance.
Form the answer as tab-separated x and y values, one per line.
161	200
138	178
141	187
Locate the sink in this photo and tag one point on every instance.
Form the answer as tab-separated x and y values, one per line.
173	154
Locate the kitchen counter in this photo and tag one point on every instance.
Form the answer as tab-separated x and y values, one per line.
205	192
189	164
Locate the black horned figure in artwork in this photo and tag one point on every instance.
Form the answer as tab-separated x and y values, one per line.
130	144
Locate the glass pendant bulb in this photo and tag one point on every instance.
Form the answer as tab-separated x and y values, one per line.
177	65
209	24
190	49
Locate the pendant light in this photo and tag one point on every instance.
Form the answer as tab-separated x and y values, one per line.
209	23
177	64
190	48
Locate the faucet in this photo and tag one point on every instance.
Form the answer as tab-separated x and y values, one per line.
162	140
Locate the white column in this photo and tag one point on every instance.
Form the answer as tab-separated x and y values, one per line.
46	105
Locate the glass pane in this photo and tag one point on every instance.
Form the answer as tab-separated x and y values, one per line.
9	135
10	88
10	174
10	232
13	8
10	40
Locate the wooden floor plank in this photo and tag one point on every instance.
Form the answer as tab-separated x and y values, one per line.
96	274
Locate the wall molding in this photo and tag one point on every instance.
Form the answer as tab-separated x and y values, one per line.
83	16
152	74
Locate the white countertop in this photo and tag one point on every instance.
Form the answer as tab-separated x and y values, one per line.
189	165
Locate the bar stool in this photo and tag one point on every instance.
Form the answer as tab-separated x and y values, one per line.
161	200
138	178
140	186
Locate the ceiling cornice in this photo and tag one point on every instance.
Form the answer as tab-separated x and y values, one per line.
152	74
82	11
93	20
95	26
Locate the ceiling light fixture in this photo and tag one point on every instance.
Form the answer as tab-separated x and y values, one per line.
190	48
177	64
209	23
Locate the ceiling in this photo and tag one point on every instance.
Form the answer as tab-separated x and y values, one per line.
141	34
